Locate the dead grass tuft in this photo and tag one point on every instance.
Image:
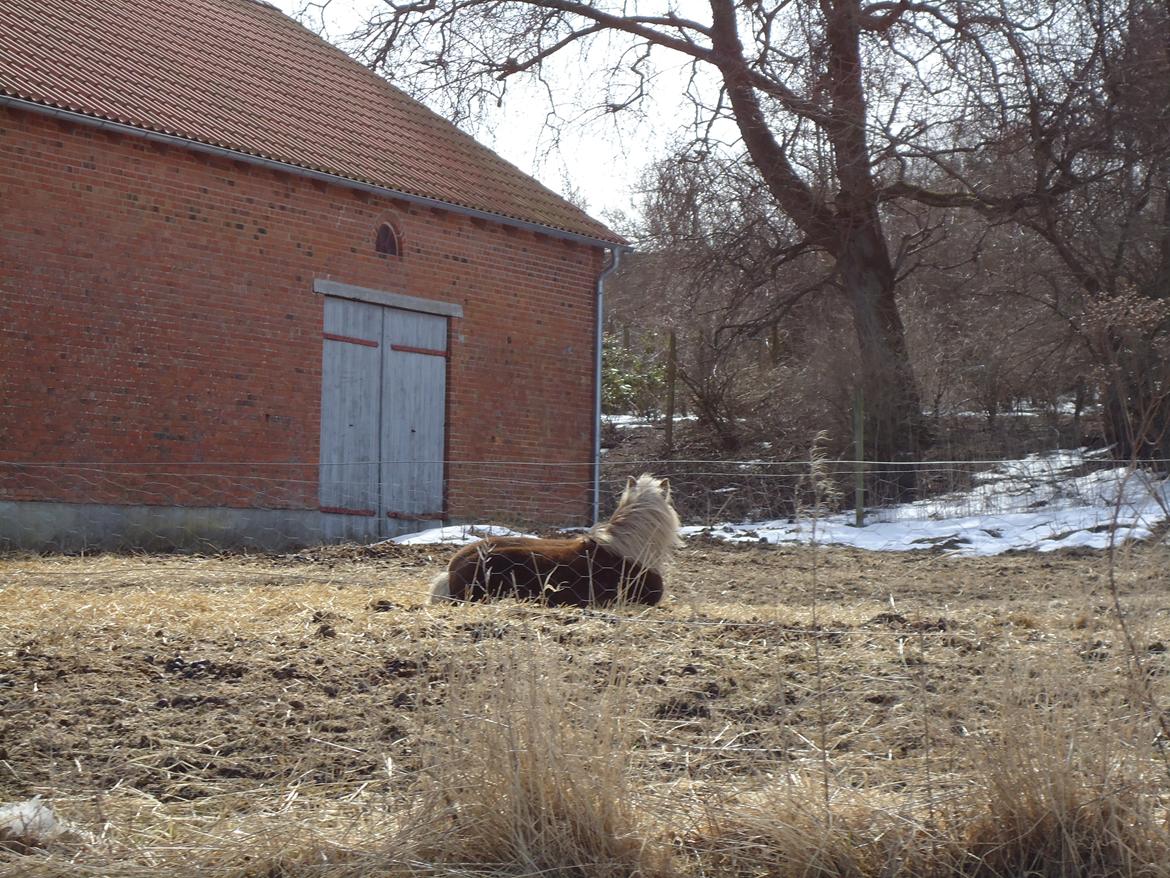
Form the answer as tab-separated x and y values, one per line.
785	833
1065	792
532	776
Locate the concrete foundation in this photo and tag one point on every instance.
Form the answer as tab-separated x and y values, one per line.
75	527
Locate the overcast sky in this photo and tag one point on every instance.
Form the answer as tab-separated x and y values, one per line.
598	160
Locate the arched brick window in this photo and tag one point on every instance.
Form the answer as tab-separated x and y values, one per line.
386	242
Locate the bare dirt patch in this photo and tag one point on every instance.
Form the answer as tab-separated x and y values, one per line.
205	697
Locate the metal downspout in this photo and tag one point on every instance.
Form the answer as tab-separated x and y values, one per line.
609	269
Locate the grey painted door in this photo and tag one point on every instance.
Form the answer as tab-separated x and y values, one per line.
414	382
351	378
384	375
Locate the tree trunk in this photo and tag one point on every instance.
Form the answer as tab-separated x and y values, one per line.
895	430
1136	405
849	228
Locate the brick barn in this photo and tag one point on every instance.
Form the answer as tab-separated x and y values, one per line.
252	293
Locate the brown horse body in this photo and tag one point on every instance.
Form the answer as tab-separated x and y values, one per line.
619	561
557	572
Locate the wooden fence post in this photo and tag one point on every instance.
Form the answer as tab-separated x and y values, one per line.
859	455
671	367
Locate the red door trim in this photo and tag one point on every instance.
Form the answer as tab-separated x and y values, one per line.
349	339
430	352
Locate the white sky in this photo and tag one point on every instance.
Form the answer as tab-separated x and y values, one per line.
597	159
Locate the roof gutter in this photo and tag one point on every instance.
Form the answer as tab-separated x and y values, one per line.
299	170
615	260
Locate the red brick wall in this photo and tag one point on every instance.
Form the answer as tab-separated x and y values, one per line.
157	319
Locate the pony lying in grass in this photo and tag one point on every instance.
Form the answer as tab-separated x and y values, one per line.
617	562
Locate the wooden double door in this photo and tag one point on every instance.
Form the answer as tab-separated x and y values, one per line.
383	412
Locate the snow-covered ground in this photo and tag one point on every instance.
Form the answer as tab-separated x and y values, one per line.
1041	503
461	534
623	421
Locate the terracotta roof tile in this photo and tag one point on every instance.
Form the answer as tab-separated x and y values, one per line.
242	75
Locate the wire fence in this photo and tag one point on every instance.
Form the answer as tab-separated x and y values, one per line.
200	505
710	492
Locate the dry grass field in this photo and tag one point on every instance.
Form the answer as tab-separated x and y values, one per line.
786	712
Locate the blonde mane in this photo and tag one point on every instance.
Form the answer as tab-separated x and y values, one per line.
644	527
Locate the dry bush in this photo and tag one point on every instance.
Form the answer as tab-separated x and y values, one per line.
1056	792
532	776
786	832
1067	789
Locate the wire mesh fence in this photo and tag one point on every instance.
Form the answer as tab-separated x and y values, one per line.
711	492
202	505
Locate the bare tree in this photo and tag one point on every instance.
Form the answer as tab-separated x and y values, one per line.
842	108
830	100
1113	237
727	272
1091	127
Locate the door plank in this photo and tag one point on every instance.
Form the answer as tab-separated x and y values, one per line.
350	415
414	376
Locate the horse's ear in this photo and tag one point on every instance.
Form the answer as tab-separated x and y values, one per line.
666	487
630	482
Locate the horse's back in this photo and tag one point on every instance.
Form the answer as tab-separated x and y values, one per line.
552	550
574	571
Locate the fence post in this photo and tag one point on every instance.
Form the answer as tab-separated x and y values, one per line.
859	455
671	371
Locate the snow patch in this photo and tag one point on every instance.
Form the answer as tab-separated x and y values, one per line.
30	824
631	421
457	534
1041	503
